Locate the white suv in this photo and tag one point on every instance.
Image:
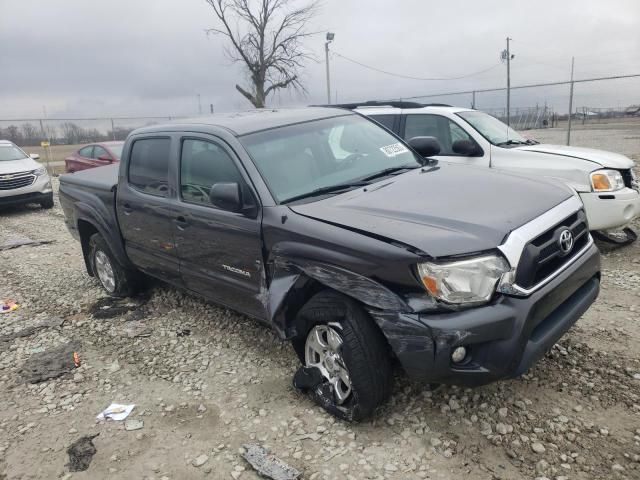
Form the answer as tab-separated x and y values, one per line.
22	179
605	181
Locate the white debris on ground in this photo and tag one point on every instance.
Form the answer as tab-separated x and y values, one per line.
201	395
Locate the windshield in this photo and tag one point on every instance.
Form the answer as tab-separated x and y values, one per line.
11	152
492	129
116	149
341	151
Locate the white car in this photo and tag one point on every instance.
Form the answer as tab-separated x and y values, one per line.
22	179
605	181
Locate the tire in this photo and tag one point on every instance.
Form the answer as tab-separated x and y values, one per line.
363	350
47	203
116	281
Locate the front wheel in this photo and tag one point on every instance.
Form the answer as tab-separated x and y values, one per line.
117	281
346	361
47	203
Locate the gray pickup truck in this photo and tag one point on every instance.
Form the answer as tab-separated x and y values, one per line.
347	242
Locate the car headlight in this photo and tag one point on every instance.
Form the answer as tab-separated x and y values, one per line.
40	171
606	180
463	282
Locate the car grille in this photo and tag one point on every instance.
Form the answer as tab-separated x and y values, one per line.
16	180
543	255
627	176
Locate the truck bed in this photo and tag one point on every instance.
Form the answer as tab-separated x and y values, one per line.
100	178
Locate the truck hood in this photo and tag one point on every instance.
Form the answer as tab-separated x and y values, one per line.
601	157
447	210
15	166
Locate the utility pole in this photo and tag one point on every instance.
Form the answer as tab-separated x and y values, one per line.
508	84
570	104
199	105
330	37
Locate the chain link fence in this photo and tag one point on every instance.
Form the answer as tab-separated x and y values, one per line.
30	132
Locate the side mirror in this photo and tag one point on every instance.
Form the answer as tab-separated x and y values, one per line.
227	196
105	158
425	146
34	156
464	147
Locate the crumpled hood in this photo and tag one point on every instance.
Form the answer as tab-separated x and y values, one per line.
601	157
15	166
451	210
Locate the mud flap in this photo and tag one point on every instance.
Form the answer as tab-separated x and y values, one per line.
310	380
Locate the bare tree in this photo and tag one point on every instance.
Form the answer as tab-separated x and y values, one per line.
31	134
267	39
71	133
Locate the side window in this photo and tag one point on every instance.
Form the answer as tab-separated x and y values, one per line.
387	121
421	126
203	164
149	165
98	151
458	133
86	151
445	130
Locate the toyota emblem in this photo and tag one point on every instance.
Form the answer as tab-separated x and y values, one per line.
566	241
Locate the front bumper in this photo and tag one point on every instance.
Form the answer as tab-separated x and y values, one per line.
504	339
608	210
38	191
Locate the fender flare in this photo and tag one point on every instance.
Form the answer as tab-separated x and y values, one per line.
87	213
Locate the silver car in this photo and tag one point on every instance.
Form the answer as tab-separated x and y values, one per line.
22	179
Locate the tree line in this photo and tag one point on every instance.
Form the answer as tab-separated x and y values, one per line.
67	133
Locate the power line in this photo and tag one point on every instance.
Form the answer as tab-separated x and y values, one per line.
410	77
533	85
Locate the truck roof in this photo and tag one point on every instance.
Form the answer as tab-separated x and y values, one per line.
243	123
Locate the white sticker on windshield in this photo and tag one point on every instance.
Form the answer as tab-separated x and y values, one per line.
394	149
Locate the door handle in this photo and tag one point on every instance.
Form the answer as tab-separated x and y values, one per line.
181	222
126	208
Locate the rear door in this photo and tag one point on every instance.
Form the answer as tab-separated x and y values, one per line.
147	208
99	152
81	160
220	251
446	131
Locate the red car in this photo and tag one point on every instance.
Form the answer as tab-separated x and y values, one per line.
94	155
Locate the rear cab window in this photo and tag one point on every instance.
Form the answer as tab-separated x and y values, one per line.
148	170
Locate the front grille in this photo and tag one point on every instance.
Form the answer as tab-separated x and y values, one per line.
16	180
542	256
627	176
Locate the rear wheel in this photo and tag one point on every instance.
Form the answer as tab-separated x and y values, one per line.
346	362
116	280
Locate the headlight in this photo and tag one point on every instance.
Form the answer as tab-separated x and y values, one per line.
471	281
40	171
606	180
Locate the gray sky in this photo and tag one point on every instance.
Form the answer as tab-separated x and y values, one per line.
144	57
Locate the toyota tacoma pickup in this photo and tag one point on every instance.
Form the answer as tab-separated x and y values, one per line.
605	181
378	257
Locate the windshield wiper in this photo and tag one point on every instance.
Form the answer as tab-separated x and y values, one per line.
389	171
511	142
324	190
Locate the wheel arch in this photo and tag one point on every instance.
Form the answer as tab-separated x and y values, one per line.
89	222
295	282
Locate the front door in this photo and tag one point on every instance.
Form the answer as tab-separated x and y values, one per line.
447	132
220	251
147	208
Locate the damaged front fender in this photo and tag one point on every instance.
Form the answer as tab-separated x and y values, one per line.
292	280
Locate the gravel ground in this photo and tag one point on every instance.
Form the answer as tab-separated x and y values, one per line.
206	380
